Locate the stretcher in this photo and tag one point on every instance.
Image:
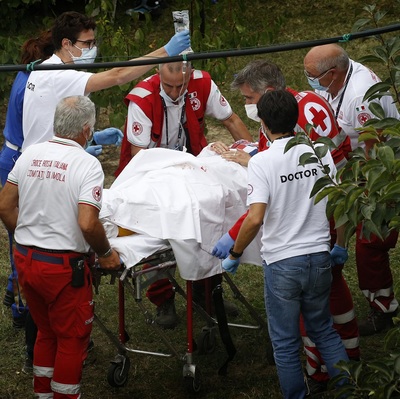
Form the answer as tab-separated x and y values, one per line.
175	207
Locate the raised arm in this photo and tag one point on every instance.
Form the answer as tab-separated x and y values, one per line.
121	75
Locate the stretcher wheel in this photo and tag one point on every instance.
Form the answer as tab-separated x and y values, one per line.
206	341
193	382
118	371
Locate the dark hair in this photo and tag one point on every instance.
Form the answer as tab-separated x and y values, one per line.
69	25
279	111
37	48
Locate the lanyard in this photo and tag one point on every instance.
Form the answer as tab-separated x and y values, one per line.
177	145
342	95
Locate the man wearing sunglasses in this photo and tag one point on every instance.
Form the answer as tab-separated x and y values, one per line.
74	42
344	82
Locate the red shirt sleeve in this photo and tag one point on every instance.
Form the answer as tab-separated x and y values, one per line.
234	231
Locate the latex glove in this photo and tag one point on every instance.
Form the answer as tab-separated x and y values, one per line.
95	150
111	135
222	247
179	42
339	255
230	265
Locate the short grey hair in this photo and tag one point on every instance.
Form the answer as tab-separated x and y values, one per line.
72	115
260	74
340	61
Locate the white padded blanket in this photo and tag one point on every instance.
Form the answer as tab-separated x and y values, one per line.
171	197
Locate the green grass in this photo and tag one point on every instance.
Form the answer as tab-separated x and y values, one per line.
249	375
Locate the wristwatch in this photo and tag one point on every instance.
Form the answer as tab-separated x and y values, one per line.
235	254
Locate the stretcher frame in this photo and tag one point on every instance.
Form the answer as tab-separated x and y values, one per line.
135	280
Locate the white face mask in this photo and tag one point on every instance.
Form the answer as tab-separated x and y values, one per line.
87	57
251	112
169	100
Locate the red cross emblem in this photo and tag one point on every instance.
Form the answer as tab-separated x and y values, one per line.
96	192
318	118
363	117
137	128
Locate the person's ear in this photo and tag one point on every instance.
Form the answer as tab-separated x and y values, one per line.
65	42
86	131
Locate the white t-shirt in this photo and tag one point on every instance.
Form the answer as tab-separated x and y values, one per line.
293	225
216	107
53	178
43	91
353	112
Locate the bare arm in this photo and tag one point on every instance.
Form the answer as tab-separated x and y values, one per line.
250	227
237	128
9	206
121	75
95	236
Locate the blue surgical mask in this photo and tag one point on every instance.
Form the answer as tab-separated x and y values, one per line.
315	85
87	57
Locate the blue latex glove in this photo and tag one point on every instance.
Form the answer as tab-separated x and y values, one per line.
111	135
339	255
95	150
179	42
230	265
222	247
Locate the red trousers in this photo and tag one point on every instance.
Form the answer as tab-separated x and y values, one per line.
63	315
373	268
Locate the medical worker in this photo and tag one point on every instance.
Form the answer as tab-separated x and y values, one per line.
253	80
74	43
40	47
51	201
344	82
168	110
295	244
33	50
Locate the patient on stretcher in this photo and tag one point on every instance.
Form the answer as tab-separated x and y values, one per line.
170	198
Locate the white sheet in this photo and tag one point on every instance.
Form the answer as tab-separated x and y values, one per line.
173	197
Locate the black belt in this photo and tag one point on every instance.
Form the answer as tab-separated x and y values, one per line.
55	260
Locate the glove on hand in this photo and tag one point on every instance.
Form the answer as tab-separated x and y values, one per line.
94	150
339	255
179	42
111	135
230	265
222	247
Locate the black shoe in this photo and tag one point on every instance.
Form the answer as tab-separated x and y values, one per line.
376	322
8	298
19	322
27	368
166	315
314	387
